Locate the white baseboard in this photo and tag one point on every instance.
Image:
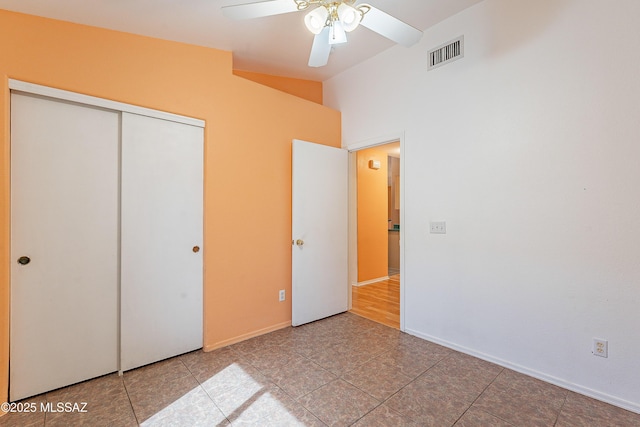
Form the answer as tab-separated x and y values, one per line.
369	282
220	344
613	400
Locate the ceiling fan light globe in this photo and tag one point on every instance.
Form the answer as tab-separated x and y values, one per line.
349	16
316	20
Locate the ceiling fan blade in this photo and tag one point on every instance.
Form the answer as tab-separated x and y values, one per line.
259	9
391	27
320	50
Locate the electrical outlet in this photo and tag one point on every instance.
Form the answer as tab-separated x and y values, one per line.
281	295
600	347
438	227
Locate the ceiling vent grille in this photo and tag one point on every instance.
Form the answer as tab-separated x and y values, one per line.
446	53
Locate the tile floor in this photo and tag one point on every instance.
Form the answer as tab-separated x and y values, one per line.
345	370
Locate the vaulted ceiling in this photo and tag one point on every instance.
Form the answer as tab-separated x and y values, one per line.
278	45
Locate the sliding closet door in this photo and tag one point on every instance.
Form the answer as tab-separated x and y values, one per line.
161	276
64	243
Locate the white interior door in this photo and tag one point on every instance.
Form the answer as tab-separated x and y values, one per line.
64	219
319	231
162	217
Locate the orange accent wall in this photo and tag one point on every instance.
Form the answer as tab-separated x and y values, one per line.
306	89
373	228
248	134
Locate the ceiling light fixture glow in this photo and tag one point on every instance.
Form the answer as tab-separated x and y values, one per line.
330	20
316	20
349	16
339	16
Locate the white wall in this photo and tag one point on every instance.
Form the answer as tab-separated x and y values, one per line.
529	149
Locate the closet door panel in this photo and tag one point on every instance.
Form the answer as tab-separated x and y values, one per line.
162	216
64	219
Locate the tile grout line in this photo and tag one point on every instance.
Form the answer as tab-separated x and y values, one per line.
205	390
124	385
382	402
44	419
337	378
261	371
411	382
564	402
478	397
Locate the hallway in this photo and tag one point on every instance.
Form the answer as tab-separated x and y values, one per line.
379	301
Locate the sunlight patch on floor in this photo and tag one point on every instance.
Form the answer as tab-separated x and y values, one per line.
192	409
232	394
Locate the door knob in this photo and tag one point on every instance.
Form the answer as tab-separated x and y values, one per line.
299	242
196	249
24	260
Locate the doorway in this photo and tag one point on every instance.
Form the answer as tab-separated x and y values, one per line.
376	227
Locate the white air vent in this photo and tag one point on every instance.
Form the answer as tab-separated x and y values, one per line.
445	53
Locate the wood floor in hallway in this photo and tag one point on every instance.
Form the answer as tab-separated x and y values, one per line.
379	301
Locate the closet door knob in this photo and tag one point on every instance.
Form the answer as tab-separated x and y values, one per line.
24	260
196	249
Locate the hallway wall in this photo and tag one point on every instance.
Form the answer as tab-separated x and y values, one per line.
372	215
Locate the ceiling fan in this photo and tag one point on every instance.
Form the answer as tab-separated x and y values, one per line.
330	20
